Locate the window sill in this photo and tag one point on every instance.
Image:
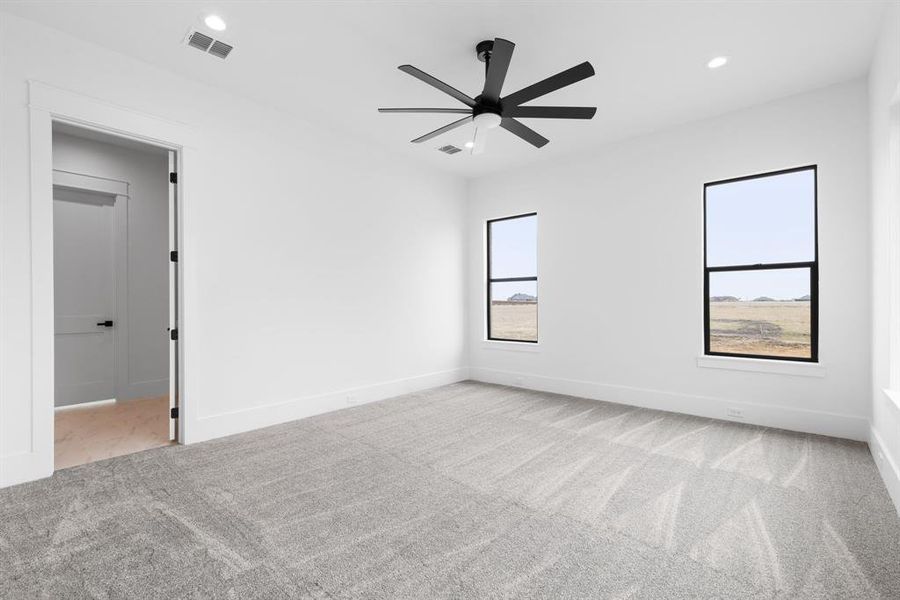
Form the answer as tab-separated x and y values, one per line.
893	397
510	346
762	365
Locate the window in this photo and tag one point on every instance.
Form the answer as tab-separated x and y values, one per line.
512	294
761	282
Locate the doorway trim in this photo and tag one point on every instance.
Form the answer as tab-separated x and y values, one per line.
49	104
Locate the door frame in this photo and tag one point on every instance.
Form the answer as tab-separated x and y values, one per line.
49	104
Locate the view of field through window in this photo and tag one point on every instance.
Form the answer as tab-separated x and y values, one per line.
762	312
512	279
514	311
762	328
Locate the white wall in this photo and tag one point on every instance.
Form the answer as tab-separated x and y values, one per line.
312	264
884	99
620	266
142	317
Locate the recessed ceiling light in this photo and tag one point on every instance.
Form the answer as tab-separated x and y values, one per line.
469	144
215	23
717	62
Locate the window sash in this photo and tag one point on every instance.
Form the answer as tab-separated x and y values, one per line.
812	265
813	311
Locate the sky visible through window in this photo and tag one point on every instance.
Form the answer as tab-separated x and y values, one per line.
514	254
762	220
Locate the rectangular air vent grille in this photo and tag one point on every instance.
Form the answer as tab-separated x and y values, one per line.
199	41
220	49
450	149
207	44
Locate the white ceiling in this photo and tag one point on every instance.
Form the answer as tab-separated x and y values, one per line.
336	61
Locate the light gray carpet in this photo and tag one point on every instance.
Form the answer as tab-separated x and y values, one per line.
465	491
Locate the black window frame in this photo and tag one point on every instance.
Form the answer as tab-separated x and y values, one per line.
812	265
491	280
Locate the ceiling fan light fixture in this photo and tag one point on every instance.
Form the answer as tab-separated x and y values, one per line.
488	120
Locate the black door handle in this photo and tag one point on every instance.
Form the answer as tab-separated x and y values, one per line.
105	324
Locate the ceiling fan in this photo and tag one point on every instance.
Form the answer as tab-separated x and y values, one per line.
488	110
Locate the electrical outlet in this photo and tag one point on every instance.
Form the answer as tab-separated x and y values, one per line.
734	413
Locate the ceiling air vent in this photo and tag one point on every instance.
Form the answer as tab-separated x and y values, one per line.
220	49
205	43
450	149
199	41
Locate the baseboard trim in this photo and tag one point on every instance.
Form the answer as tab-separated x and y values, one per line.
215	426
890	471
767	415
146	389
21	468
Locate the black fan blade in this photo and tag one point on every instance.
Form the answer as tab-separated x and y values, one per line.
443	129
551	112
497	67
551	84
455	111
423	76
526	133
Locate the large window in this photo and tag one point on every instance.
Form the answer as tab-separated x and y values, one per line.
761	281
512	295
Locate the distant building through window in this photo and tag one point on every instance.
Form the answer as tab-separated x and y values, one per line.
761	282
512	295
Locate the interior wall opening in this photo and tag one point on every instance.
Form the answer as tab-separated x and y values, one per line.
114	296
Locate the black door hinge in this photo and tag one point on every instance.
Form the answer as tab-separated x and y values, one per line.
173	255
173	334
173	177
173	412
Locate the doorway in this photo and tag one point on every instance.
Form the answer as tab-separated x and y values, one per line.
115	300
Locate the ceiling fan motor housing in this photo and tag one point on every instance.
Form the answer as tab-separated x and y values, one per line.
484	106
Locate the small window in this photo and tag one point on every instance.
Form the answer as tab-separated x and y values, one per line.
761	267
512	295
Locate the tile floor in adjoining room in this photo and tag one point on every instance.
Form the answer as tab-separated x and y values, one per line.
86	433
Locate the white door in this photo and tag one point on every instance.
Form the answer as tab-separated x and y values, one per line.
84	296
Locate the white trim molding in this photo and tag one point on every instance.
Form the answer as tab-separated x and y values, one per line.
114	119
762	365
23	467
893	242
49	104
89	183
215	426
887	467
507	346
767	415
893	397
